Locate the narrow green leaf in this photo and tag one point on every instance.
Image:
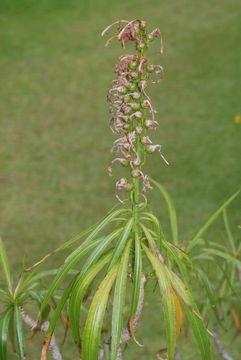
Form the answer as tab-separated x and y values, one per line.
151	217
171	211
137	276
210	293
201	336
79	291
66	268
197	324
57	311
98	251
216	245
94	228
4	325
93	234
203	257
228	231
223	255
4	293
19	332
95	255
119	303
43	274
4	264
176	256
92	330
179	252
38	298
121	243
149	237
168	301
181	289
196	238
32	278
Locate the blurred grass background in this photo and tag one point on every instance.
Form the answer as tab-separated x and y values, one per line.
55	139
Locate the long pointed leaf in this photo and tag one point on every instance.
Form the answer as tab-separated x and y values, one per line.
78	293
99	225
196	322
96	230
4	325
223	255
171	211
210	293
66	268
196	238
100	248
149	238
151	217
32	278
137	276
178	312
95	255
119	303
228	231
168	301
121	243
4	264
19	332
200	334
92	330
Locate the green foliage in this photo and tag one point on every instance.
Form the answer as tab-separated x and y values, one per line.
129	243
175	293
119	302
13	298
93	326
118	248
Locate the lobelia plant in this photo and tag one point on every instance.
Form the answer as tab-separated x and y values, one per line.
127	248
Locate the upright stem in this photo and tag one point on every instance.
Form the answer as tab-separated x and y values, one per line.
136	181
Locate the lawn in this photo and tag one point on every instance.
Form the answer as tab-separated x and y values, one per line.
55	139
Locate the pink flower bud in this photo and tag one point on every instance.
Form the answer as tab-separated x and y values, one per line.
143	24
134	75
137	115
146	184
121	183
153	148
151	124
136	162
145	140
135	95
127	110
143	84
138	130
145	104
123	162
136	173
120	89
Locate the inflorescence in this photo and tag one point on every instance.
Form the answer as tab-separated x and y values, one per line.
131	108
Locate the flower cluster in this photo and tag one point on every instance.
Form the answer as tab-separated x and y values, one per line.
131	108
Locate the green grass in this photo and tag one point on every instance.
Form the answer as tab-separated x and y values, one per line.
55	138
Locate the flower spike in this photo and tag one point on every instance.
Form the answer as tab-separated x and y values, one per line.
130	103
